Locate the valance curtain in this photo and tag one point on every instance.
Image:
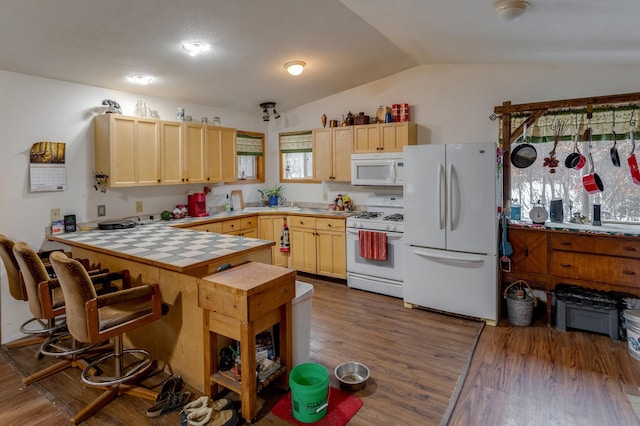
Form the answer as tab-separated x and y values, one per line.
296	142
604	122
248	145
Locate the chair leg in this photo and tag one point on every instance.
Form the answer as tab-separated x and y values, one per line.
26	341
96	405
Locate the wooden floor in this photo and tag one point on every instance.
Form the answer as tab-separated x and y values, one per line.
518	376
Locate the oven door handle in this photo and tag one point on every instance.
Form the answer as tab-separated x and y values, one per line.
389	235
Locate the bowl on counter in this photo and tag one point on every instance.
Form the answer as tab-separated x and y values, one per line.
352	375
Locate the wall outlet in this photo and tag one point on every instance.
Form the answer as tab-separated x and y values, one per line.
138	206
325	196
55	215
102	210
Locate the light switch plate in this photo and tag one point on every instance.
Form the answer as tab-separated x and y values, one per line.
102	210
55	215
138	206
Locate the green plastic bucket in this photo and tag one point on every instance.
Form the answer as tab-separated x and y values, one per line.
309	385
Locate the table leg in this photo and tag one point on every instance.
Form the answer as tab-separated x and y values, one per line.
248	371
210	346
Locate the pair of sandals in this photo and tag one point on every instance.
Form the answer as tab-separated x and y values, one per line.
204	412
170	398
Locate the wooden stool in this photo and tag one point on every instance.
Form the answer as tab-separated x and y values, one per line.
240	303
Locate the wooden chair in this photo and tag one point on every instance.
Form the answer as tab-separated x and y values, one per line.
36	328
46	303
92	318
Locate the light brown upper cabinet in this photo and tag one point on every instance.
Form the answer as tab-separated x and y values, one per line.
127	150
172	163
384	137
332	148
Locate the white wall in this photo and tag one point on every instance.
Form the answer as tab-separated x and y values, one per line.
450	103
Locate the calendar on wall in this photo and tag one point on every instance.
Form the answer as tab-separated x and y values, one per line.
48	171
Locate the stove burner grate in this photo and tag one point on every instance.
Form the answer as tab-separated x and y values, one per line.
397	217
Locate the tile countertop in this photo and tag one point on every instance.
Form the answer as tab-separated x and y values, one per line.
171	245
607	228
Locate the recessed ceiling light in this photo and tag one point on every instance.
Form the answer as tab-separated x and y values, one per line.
195	47
140	79
294	67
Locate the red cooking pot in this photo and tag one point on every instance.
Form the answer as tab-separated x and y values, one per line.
633	162
592	182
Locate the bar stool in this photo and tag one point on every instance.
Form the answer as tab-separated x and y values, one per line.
92	318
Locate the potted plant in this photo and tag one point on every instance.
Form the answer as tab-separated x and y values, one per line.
273	194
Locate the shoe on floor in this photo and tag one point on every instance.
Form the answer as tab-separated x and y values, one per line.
171	385
172	402
208	417
204	401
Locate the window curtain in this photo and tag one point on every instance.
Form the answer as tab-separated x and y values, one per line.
296	142
249	145
565	124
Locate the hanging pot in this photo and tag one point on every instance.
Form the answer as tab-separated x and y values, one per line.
615	157
524	155
575	160
592	182
633	162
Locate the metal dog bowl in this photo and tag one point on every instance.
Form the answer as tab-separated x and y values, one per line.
352	375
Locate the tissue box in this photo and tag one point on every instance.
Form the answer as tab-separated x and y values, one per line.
57	227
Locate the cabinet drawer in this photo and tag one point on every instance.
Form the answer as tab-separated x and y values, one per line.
302	222
248	222
597	245
330	224
593	267
231	225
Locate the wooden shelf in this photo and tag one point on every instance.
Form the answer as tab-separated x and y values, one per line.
227	380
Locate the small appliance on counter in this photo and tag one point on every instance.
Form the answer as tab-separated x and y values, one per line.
197	204
556	211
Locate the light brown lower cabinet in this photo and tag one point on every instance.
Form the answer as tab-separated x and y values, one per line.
270	228
318	246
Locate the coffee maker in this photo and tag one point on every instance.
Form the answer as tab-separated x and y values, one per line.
197	204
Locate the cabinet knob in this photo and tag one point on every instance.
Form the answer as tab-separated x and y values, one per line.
565	243
329	225
565	265
628	272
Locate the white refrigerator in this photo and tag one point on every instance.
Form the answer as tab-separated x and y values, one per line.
451	228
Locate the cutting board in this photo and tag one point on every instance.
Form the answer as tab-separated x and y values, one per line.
236	199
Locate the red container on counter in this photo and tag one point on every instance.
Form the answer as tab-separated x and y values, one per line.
395	112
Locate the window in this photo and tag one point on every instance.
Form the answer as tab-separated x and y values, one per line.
250	156
296	156
620	198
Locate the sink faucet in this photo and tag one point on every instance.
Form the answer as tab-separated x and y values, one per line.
261	198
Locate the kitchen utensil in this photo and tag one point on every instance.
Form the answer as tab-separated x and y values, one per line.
632	160
615	157
558	130
575	160
524	155
592	182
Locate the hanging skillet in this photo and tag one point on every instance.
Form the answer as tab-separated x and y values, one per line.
524	154
615	157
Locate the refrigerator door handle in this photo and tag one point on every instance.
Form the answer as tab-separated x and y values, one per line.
441	201
450	195
449	257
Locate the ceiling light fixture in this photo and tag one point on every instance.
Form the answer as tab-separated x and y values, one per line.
195	47
294	67
511	9
265	110
142	79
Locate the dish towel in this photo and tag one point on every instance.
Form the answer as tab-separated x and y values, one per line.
373	245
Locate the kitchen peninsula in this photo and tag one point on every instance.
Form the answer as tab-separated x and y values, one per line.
175	258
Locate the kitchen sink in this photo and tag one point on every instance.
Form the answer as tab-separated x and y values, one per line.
272	209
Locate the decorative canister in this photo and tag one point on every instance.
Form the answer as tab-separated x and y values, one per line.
395	111
404	112
180	114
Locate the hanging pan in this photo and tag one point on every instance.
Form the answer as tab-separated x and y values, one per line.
524	154
592	182
575	160
633	162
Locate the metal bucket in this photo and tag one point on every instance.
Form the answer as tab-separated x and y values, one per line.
520	304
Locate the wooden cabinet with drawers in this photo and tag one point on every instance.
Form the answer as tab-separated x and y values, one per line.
318	245
243	227
545	258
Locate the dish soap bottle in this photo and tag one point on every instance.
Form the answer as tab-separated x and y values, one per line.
227	206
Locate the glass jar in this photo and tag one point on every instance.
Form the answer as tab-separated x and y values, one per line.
216	121
180	115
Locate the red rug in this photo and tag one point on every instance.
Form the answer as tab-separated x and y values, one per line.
342	406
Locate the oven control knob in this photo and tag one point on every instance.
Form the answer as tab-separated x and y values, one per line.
387	227
360	225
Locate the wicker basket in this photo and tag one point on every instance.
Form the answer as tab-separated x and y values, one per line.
520	304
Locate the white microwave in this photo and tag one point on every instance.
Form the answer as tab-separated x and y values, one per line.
385	169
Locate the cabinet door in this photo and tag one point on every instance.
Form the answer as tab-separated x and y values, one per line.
332	258
194	157
303	249
171	149
394	136
229	166
366	138
147	152
322	155
213	154
529	250
122	151
342	149
270	228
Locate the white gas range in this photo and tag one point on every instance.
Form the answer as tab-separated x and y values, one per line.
368	269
